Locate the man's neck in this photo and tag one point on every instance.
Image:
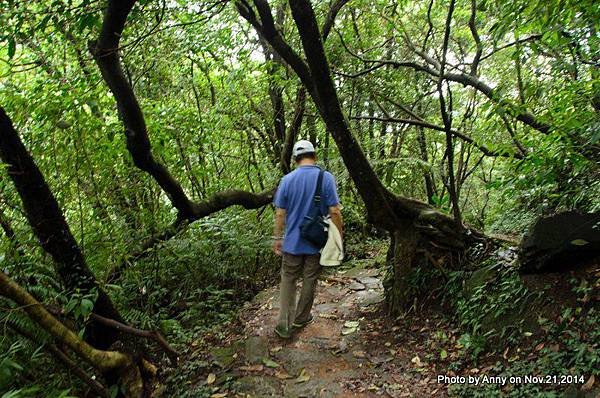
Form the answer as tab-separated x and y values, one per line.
307	162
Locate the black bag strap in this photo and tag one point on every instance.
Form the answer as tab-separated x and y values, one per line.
317	195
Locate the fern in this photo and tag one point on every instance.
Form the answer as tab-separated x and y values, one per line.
137	317
18	321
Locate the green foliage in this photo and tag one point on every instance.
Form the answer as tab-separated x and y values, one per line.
564	346
205	87
225	258
494	309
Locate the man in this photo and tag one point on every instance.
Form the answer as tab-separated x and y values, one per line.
293	200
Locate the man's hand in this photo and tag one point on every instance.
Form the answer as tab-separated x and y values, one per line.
277	243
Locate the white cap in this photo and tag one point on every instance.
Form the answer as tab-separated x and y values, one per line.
303	146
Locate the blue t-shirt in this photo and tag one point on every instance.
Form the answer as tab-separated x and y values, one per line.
295	195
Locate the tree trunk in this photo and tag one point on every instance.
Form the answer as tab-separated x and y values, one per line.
411	223
51	229
121	366
429	190
402	257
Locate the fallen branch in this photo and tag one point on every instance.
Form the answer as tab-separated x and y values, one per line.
148	334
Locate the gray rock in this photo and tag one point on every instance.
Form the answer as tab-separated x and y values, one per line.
356	286
326	308
255	349
479	278
370	282
258	386
370	297
312	388
556	242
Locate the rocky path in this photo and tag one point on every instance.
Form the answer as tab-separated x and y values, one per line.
350	350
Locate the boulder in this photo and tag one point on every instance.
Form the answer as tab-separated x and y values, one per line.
479	278
255	349
559	242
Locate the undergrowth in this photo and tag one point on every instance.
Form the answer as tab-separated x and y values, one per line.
510	330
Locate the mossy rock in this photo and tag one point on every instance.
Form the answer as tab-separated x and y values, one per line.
224	356
479	278
255	349
520	318
258	386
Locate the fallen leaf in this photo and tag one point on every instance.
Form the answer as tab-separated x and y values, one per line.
347	331
303	376
417	361
539	346
252	368
443	354
282	375
588	384
328	316
211	378
351	324
358	354
269	363
276	349
219	395
579	242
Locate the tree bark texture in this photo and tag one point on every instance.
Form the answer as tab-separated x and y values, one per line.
52	231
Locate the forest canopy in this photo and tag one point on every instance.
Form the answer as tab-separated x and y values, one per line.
142	142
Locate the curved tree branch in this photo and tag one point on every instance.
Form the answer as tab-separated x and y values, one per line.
106	54
147	334
422	123
478	45
65	360
99	359
266	28
50	227
293	130
330	18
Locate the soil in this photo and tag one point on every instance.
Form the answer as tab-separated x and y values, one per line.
351	349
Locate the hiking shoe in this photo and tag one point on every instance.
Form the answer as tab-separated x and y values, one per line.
282	332
299	325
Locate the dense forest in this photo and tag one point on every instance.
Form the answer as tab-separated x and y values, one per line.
142	142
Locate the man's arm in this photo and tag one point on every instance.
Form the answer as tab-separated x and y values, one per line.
278	230
335	212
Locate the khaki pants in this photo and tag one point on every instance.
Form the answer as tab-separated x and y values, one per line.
292	268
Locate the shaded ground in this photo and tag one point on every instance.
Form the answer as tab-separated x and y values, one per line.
350	350
353	349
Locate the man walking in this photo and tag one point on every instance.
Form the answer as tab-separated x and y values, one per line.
293	201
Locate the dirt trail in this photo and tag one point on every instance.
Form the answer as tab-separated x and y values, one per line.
350	350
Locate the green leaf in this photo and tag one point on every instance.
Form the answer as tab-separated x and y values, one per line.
12	47
443	354
86	307
269	363
579	242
